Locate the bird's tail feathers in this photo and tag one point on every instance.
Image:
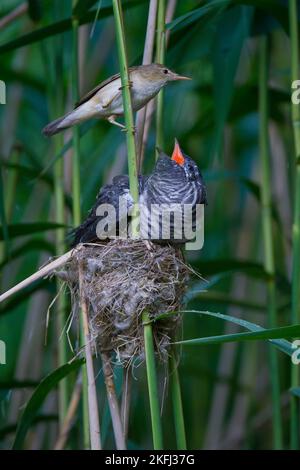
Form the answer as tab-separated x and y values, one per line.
58	125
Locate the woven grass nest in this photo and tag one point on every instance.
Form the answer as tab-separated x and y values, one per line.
120	280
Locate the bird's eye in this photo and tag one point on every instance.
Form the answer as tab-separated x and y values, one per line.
166	71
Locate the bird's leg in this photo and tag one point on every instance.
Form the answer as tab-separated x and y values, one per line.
130	85
112	120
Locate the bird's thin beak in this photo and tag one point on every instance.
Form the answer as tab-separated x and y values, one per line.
177	154
180	77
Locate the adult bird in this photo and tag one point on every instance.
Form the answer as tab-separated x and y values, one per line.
105	101
175	183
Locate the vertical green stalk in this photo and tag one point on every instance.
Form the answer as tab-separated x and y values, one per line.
133	182
77	213
76	141
177	404
130	130
4	247
61	301
160	58
152	384
294	37
11	184
7	203
269	264
57	107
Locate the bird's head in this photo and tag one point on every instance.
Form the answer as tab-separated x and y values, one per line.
179	166
160	74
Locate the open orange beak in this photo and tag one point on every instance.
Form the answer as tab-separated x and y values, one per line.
177	154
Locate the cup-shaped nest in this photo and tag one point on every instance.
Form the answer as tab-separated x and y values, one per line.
122	279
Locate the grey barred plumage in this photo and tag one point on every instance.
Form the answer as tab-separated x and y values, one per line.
174	185
171	183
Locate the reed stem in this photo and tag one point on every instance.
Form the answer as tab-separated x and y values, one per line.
128	112
295	316
70	416
61	301
76	206
177	404
126	399
152	384
160	58
113	402
147	59
269	263
57	108
94	425
76	141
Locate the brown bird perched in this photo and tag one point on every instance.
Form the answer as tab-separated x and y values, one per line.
105	101
175	180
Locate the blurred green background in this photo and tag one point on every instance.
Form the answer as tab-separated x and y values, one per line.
226	389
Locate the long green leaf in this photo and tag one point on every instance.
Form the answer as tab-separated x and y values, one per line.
24	295
38	397
4	231
37	174
274	8
252	269
82	6
59	27
31	245
152	384
259	333
11	428
233	29
271	7
7	385
194	15
282	344
19	230
295	166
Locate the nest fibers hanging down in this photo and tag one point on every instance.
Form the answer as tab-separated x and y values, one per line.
122	279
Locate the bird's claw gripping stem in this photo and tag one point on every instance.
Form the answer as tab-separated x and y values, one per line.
133	129
130	85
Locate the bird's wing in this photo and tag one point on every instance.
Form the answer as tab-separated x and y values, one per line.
108	194
202	192
123	182
95	90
